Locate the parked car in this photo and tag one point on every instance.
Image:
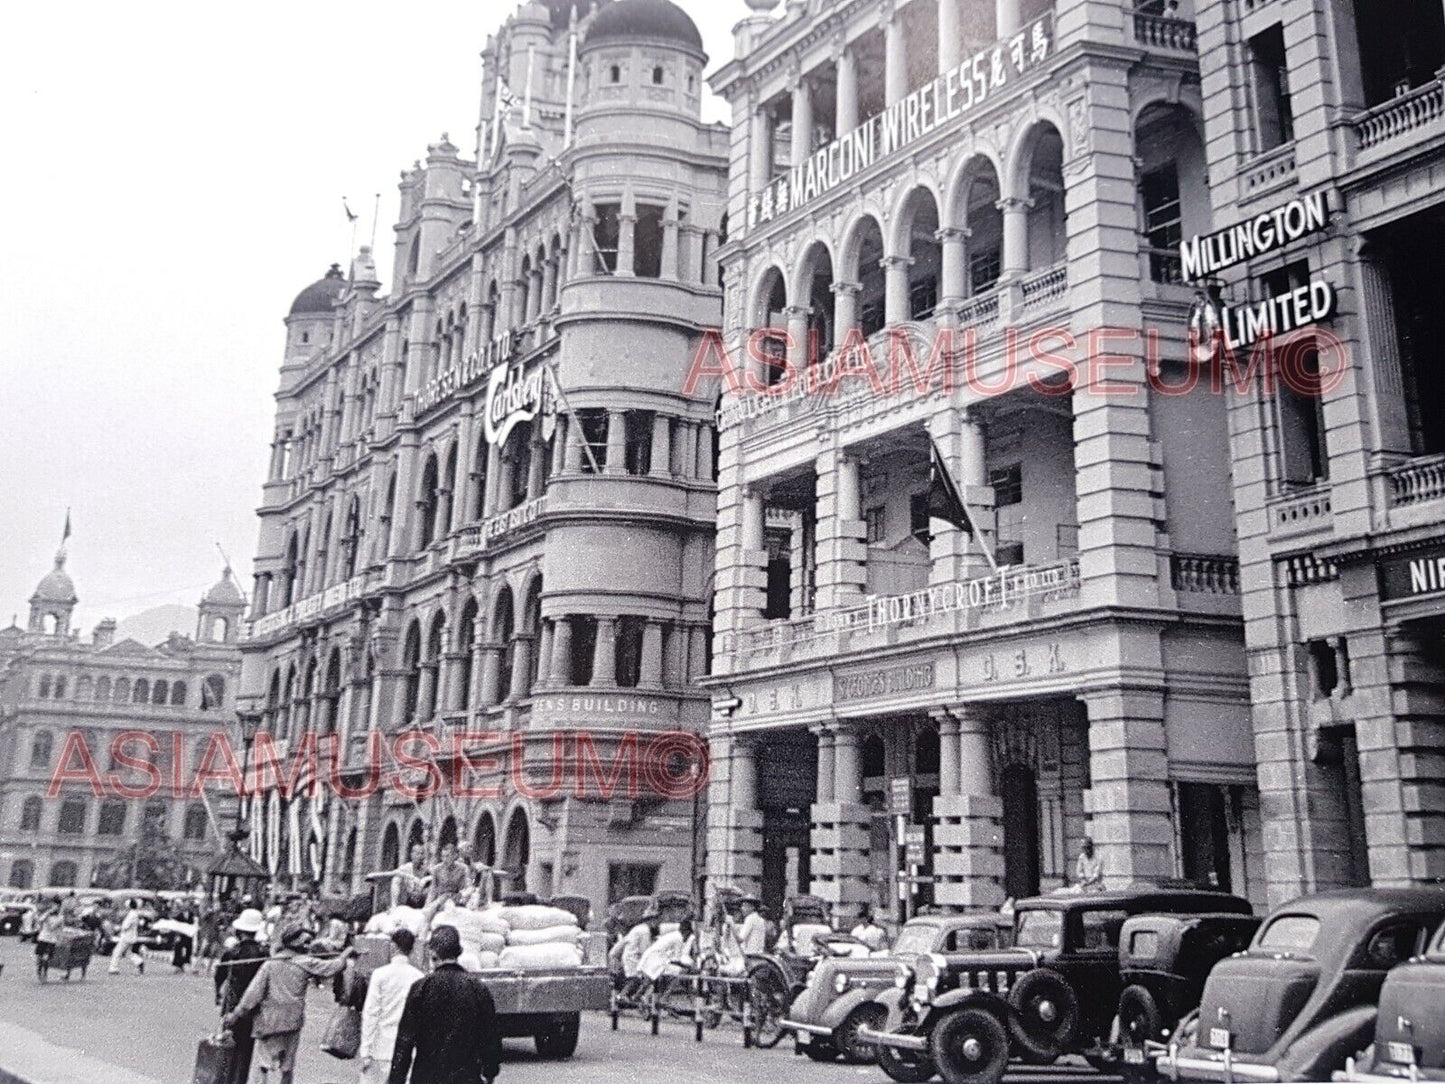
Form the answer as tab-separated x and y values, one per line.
1410	1028
1303	997
13	918
964	1015
838	999
1163	963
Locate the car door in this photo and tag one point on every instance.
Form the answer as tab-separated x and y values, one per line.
1092	968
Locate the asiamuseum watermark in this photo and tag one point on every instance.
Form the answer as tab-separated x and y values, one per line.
628	764
768	364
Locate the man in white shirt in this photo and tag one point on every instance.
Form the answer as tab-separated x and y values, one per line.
385	999
127	941
870	933
753	933
676	947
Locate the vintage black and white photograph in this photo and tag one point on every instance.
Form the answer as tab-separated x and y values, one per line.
819	541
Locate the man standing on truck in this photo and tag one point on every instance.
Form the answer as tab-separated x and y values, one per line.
448	1032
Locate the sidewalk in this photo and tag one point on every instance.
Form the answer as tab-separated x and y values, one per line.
29	1059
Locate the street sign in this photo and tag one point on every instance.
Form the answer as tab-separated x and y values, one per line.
900	796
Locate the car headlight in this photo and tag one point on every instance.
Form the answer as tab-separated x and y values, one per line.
840	983
902	977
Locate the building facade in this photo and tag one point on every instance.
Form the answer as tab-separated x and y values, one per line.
896	722
491	501
1339	488
54	685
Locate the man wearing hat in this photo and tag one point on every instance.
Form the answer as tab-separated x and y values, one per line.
238	966
276	998
753	933
448	1030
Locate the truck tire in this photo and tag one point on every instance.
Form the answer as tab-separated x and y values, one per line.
558	1041
1046	1014
969	1046
906	1066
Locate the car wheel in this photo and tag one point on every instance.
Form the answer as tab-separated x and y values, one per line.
559	1041
970	1046
1046	1013
906	1066
845	1037
1140	1021
821	1050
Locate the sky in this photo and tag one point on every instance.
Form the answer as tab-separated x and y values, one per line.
174	176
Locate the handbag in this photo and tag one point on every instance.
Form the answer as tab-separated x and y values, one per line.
343	1034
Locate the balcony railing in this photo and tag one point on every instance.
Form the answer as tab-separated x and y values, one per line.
980	310
1418	481
1203	573
1163	32
1401	117
1305	511
1045	287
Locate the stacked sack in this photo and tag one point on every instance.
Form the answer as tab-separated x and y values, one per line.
540	938
483	933
388	922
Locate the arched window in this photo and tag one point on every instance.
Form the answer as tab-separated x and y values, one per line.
390	848
43	692
195	824
140	692
41	746
213	692
122	690
60	686
22	873
30	811
178	694
159	691
102	689
72	816
411	667
112	817
485	840
63	874
426	504
83	687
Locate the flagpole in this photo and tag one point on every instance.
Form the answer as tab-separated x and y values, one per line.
571	79
375	214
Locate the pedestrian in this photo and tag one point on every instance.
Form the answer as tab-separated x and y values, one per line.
381	1014
634	946
679	946
237	967
448	1030
869	932
1088	869
47	936
127	941
275	1001
753	933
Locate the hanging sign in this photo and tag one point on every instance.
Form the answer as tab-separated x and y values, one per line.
1204	256
514	397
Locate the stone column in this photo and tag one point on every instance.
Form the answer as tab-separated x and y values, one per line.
493	482
426	693
845	310
705	464
650	674
478	664
1008	18
490	693
952	554
687	448
669	243
561	652
897	305
953	281
841	534
521	665
841	836
536	464
661	466
1128	802
534	294
761	139
1015	258
968	817
950	37
549	284
797	341
559	446
604	654
826	769
544	654
895	59
616	442
734	823
573	454
802	123
847	90
627	235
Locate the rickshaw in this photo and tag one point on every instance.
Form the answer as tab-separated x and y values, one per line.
775	978
71	953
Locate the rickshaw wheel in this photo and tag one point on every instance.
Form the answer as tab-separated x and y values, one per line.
770	998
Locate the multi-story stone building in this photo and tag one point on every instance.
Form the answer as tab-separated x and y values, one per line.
896	723
54	685
1340	494
491	502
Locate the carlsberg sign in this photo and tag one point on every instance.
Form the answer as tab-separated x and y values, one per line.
513	398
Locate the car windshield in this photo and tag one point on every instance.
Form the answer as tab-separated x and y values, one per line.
915	939
1291	933
1040	929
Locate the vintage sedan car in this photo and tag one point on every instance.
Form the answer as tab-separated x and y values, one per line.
838	999
1410	1028
1163	963
1303	997
964	1015
13	917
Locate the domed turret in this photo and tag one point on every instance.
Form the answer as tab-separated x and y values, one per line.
645	57
320	295
220	611
54	600
644	19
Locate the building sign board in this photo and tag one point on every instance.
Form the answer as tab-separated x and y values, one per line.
957	92
888	681
1413	575
900	796
465	373
1204	256
514	397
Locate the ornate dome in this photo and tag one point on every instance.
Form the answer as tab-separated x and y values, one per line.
645	19
225	592
56	585
319	296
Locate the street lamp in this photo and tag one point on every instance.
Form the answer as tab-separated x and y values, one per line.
249	714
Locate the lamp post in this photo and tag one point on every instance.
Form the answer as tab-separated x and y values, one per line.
249	713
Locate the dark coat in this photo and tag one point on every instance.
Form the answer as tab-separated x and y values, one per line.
449	1026
231	982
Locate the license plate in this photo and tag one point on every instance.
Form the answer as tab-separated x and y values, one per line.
1133	1056
1219	1038
1403	1053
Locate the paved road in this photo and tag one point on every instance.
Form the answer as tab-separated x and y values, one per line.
149	1025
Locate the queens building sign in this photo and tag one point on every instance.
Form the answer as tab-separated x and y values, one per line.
954	93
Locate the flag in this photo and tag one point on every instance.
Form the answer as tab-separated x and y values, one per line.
944	500
347	208
65	534
506	100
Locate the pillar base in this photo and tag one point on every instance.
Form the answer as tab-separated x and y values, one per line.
735	849
840	841
968	852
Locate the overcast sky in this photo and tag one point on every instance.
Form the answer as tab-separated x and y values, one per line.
174	175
